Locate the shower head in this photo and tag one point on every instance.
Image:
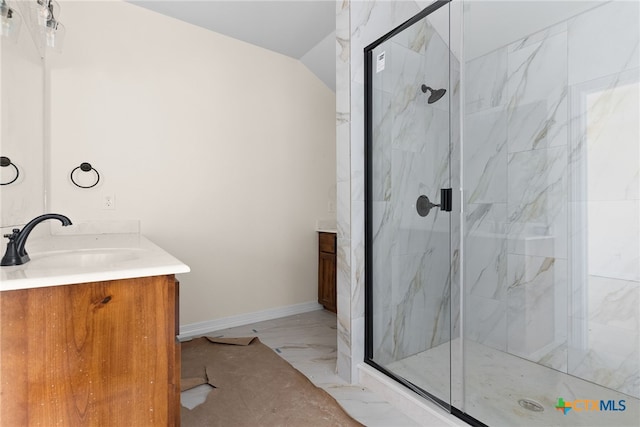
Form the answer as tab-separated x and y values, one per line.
436	94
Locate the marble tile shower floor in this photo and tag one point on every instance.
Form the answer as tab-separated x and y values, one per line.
308	342
496	380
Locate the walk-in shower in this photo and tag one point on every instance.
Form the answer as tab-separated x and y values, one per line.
518	304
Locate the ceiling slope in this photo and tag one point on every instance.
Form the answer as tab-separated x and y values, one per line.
301	29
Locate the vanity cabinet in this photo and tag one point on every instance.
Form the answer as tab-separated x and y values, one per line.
101	353
327	270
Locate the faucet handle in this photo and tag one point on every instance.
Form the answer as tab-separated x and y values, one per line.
14	235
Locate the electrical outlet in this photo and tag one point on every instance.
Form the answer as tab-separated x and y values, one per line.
331	207
109	202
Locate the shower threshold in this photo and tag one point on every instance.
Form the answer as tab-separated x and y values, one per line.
496	381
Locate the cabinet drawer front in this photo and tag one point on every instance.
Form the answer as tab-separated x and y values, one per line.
328	242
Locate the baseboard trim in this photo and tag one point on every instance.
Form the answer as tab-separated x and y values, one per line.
201	328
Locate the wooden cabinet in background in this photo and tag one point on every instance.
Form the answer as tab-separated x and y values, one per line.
327	270
101	353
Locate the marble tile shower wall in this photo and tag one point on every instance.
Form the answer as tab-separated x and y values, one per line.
521	167
515	182
410	158
358	24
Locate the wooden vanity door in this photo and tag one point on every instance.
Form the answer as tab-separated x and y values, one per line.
99	353
327	271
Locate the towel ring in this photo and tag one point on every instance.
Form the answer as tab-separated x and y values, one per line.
4	162
85	167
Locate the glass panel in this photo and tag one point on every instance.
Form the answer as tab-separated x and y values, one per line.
551	164
410	246
605	221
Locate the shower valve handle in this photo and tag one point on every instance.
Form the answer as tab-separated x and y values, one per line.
424	205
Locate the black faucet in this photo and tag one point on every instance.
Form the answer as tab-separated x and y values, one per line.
16	254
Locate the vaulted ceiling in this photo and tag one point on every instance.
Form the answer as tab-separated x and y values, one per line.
301	29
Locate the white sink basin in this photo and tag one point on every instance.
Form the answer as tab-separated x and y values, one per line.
84	258
87	258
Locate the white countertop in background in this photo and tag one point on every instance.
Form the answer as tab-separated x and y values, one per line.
326	230
326	226
63	260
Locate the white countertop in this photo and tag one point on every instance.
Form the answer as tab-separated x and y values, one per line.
326	226
326	230
64	260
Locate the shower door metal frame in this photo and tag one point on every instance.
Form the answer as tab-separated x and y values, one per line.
368	135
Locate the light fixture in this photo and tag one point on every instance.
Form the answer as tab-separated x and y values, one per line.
10	21
50	32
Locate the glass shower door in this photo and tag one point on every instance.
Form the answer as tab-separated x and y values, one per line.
408	219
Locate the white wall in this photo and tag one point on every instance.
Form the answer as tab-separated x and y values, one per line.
224	151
